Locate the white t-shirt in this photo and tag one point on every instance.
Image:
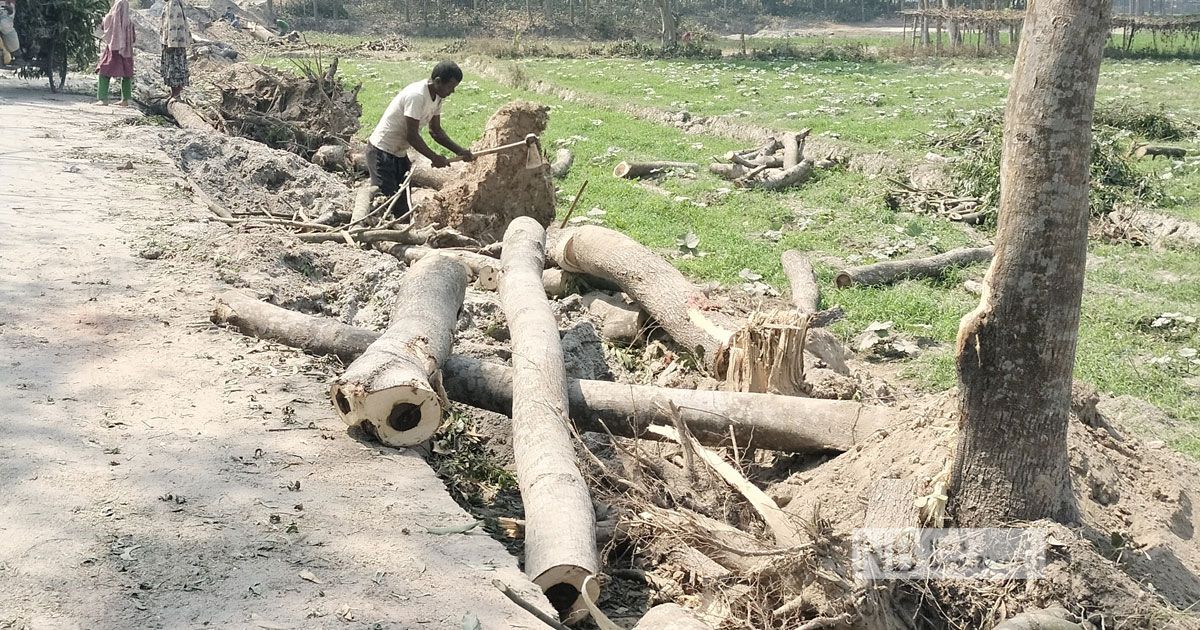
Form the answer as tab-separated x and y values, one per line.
414	101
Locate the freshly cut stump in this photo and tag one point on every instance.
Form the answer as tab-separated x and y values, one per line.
560	522
391	391
496	188
767	355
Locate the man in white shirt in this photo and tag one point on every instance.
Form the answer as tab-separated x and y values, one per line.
399	129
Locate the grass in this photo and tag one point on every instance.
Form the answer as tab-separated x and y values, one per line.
840	217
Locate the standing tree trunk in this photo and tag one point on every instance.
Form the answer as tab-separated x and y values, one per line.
1016	350
669	29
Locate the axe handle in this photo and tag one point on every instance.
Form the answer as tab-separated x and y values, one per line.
503	147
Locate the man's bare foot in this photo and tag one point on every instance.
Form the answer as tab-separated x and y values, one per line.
123	103
104	103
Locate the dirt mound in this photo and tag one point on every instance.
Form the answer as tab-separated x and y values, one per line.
245	176
296	113
1127	223
497	188
1133	561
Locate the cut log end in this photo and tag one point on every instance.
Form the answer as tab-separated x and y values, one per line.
399	416
621	170
843	280
563	585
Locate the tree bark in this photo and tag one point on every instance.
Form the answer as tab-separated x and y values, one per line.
679	306
634	170
561	164
391	390
896	270
670	34
560	530
1016	350
799	271
783	423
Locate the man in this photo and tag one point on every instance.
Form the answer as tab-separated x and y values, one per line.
415	106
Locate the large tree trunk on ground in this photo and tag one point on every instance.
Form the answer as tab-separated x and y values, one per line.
391	391
1016	350
805	294
782	423
187	118
674	302
896	270
426	176
783	178
634	170
560	522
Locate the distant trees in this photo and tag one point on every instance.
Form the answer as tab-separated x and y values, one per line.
57	35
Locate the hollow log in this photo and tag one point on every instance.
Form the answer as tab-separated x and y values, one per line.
560	522
803	280
634	170
391	390
895	270
674	302
782	179
561	165
362	202
187	118
669	617
784	423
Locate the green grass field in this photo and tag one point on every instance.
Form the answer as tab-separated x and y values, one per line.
840	217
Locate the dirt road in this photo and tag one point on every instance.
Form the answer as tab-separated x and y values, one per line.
159	473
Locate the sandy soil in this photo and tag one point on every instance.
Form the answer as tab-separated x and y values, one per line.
158	472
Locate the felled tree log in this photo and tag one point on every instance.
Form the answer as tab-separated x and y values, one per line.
1046	619
1154	151
803	280
782	179
362	202
186	117
620	322
426	176
560	522
669	617
895	270
728	171
784	423
561	165
793	148
391	390
634	170
678	305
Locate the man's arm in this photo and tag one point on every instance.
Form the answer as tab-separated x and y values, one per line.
413	135
439	134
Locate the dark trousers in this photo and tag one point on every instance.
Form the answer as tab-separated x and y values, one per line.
387	173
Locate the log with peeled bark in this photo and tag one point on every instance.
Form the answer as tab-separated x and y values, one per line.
803	280
783	178
634	170
679	306
186	117
560	522
896	270
764	421
391	390
561	165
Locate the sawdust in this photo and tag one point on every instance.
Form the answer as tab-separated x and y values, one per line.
497	188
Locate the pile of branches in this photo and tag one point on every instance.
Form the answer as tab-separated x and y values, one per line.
296	113
936	202
777	164
979	141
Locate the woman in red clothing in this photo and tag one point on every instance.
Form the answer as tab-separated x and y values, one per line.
117	60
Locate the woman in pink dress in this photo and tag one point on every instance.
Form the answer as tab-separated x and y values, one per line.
117	60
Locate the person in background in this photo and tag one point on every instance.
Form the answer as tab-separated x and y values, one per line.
231	17
417	105
9	42
176	39
117	60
